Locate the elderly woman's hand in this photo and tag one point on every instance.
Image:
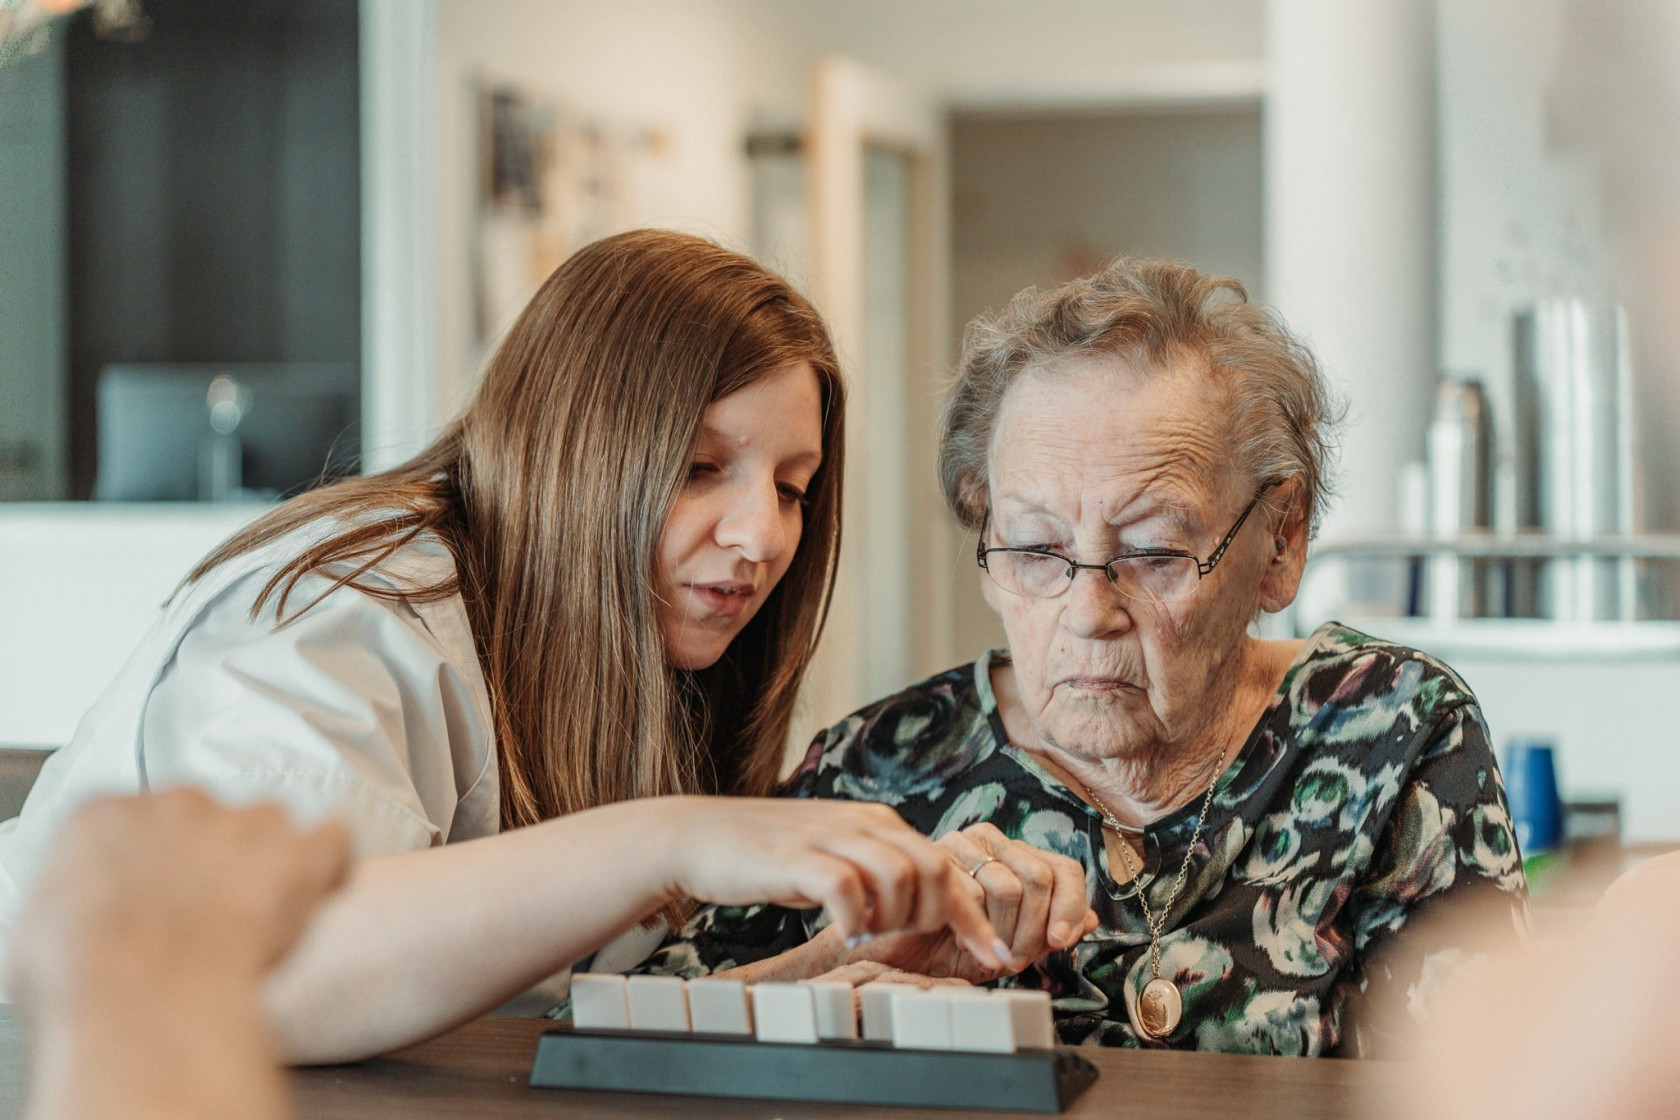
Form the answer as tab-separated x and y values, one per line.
1036	900
859	973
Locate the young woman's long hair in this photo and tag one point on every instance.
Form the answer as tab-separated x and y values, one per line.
551	492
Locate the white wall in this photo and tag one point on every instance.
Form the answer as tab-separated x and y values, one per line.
81	582
1040	198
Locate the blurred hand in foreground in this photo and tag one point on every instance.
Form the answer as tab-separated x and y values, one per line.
139	957
1582	1027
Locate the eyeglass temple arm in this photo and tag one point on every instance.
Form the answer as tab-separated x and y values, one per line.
1203	569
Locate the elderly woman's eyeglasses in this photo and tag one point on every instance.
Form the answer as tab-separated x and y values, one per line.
1150	575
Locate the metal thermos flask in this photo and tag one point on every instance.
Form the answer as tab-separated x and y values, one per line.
1460	496
1575	453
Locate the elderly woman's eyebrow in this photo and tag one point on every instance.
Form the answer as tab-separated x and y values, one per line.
1019	504
1155	509
1028	501
1139	510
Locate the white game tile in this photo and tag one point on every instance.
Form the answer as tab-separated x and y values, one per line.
921	1020
837	1015
718	1005
784	1012
981	1020
1035	1027
600	1001
876	1000
658	1003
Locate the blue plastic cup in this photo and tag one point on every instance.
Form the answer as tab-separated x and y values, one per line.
1532	789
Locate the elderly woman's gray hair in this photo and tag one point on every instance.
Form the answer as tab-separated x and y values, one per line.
1147	313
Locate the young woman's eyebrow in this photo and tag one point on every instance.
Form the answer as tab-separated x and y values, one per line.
717	435
811	456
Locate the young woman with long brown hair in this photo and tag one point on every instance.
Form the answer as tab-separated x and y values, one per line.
591	599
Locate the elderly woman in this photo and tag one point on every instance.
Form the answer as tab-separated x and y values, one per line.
1268	830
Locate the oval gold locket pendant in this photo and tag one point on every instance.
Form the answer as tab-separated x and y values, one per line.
1159	1008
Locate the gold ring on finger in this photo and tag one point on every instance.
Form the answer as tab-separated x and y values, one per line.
974	872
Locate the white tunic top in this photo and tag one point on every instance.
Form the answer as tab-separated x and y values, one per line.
367	710
371	711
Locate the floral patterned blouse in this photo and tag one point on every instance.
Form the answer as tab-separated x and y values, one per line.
1365	799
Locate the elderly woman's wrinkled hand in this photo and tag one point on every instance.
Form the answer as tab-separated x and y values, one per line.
859	973
1036	900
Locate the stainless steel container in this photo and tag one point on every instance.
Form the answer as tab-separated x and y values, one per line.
1460	496
1575	449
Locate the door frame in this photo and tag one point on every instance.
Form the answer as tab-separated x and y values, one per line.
853	109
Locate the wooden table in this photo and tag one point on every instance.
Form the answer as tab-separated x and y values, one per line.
480	1069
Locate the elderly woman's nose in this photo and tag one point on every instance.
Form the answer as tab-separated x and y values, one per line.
1094	608
752	524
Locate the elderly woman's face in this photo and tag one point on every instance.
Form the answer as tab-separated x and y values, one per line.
1091	461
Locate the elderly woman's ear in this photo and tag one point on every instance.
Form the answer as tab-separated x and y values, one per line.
1286	522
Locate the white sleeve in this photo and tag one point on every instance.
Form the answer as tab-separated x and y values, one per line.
352	711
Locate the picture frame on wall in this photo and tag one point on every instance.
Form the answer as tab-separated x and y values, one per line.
551	179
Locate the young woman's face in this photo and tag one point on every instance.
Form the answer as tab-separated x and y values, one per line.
737	521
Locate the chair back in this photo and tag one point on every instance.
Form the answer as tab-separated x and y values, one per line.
19	766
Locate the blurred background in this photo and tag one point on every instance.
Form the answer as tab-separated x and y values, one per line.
247	244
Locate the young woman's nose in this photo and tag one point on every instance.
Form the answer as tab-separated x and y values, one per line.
752	523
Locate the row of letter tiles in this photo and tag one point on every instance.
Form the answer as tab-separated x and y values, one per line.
944	1017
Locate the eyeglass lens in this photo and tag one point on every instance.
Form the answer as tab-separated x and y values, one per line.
1155	579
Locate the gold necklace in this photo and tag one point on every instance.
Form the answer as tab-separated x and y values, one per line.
1160	1005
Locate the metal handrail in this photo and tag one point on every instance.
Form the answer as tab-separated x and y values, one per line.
1541	638
1507	546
